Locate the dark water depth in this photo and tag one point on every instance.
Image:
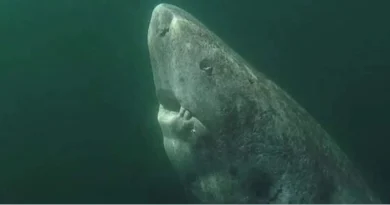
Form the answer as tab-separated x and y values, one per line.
77	103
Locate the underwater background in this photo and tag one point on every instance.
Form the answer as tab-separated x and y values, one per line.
78	109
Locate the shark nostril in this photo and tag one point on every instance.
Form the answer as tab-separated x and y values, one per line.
164	18
163	32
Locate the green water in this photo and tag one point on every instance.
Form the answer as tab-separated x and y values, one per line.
77	104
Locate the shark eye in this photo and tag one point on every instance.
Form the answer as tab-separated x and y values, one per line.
205	66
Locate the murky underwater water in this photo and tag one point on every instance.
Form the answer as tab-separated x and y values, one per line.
77	105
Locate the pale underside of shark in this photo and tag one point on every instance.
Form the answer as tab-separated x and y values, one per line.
231	133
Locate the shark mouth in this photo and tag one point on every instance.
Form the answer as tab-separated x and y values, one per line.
174	119
168	100
170	103
177	122
181	131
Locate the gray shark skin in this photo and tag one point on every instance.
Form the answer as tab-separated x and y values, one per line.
231	133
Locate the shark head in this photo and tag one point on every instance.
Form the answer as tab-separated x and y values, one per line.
203	89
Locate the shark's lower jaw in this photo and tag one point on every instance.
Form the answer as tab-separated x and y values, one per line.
180	125
175	124
181	131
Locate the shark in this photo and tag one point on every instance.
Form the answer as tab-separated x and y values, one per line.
231	133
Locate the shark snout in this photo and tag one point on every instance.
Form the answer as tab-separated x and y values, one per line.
160	22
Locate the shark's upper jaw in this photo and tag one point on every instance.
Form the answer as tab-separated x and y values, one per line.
164	27
158	27
176	120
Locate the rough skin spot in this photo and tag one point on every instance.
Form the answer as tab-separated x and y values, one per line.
233	171
259	183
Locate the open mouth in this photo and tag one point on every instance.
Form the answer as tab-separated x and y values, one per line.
171	112
171	105
177	123
168	100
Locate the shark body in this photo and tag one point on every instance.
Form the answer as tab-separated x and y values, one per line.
231	133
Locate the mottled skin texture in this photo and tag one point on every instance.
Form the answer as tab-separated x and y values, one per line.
231	133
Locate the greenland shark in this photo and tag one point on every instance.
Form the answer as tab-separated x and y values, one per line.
231	133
